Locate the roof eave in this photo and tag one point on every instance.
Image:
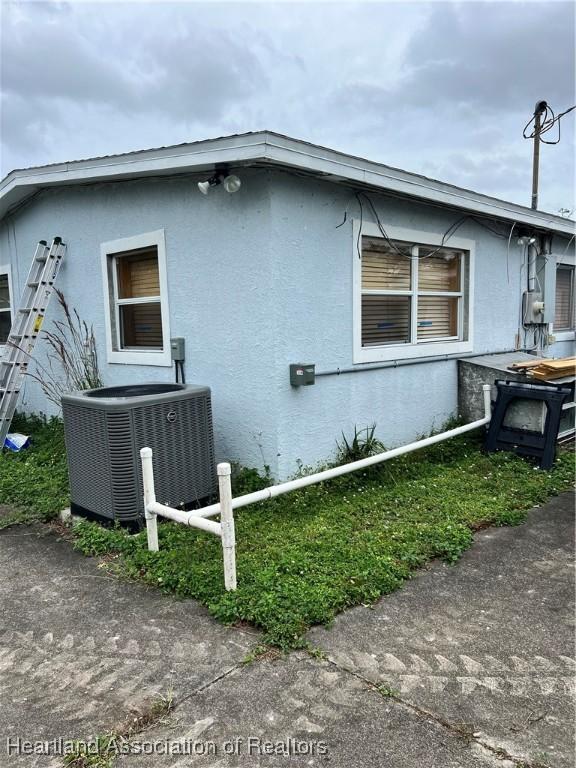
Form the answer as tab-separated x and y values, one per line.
273	149
333	165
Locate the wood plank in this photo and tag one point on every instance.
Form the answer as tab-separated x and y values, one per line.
557	365
546	376
553	364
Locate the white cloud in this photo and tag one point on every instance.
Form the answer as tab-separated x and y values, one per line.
437	88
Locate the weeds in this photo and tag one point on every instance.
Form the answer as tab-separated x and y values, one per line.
72	360
386	691
34	481
361	446
101	751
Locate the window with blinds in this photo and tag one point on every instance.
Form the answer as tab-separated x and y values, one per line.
5	309
137	299
564	317
410	293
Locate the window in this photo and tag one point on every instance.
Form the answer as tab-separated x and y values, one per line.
5	306
137	318
412	297
564	315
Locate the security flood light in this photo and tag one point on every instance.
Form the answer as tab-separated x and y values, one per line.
230	182
526	240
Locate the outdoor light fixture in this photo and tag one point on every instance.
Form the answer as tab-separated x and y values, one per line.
230	182
526	240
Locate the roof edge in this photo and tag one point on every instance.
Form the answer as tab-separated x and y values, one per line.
274	149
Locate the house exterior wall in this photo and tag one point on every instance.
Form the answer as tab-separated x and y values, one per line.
407	401
258	280
219	289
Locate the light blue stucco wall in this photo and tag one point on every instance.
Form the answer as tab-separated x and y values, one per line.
258	280
317	309
219	288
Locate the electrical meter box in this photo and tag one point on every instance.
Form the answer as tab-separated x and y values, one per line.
177	348
302	374
532	308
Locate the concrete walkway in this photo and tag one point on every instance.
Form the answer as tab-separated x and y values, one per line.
466	666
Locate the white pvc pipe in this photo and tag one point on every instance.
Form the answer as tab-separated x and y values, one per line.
226	505
487	395
149	499
227	523
344	469
187	518
532	267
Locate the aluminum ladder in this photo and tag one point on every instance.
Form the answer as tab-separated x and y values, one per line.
26	326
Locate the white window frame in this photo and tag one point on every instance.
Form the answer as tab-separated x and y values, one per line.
564	260
107	253
403	350
6	269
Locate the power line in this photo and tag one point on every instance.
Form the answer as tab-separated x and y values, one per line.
547	121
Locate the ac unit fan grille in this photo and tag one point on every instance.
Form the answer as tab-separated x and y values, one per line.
103	440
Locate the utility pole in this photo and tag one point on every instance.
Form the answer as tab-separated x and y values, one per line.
538	111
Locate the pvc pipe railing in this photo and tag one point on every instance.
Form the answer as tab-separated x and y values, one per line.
224	529
225	507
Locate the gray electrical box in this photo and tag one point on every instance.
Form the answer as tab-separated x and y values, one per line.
532	308
177	349
302	374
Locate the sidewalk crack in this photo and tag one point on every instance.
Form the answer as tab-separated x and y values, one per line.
454	728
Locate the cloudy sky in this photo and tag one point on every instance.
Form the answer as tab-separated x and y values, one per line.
438	88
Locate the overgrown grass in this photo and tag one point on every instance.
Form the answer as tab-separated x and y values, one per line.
303	557
35	480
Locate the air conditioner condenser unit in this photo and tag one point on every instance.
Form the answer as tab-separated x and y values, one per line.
106	428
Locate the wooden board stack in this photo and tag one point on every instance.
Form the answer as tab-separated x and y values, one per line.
548	369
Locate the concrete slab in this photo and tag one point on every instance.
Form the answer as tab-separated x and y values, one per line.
300	711
79	648
488	643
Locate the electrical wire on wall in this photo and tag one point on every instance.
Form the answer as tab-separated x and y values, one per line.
508	253
179	370
449	232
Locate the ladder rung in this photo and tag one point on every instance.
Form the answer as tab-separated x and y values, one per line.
39	286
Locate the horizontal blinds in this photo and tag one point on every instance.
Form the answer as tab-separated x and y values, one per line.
437	317
564	317
141	325
138	275
385	320
439	273
383	268
386	268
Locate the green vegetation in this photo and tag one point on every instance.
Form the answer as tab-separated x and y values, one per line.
303	557
101	752
362	445
34	481
386	690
